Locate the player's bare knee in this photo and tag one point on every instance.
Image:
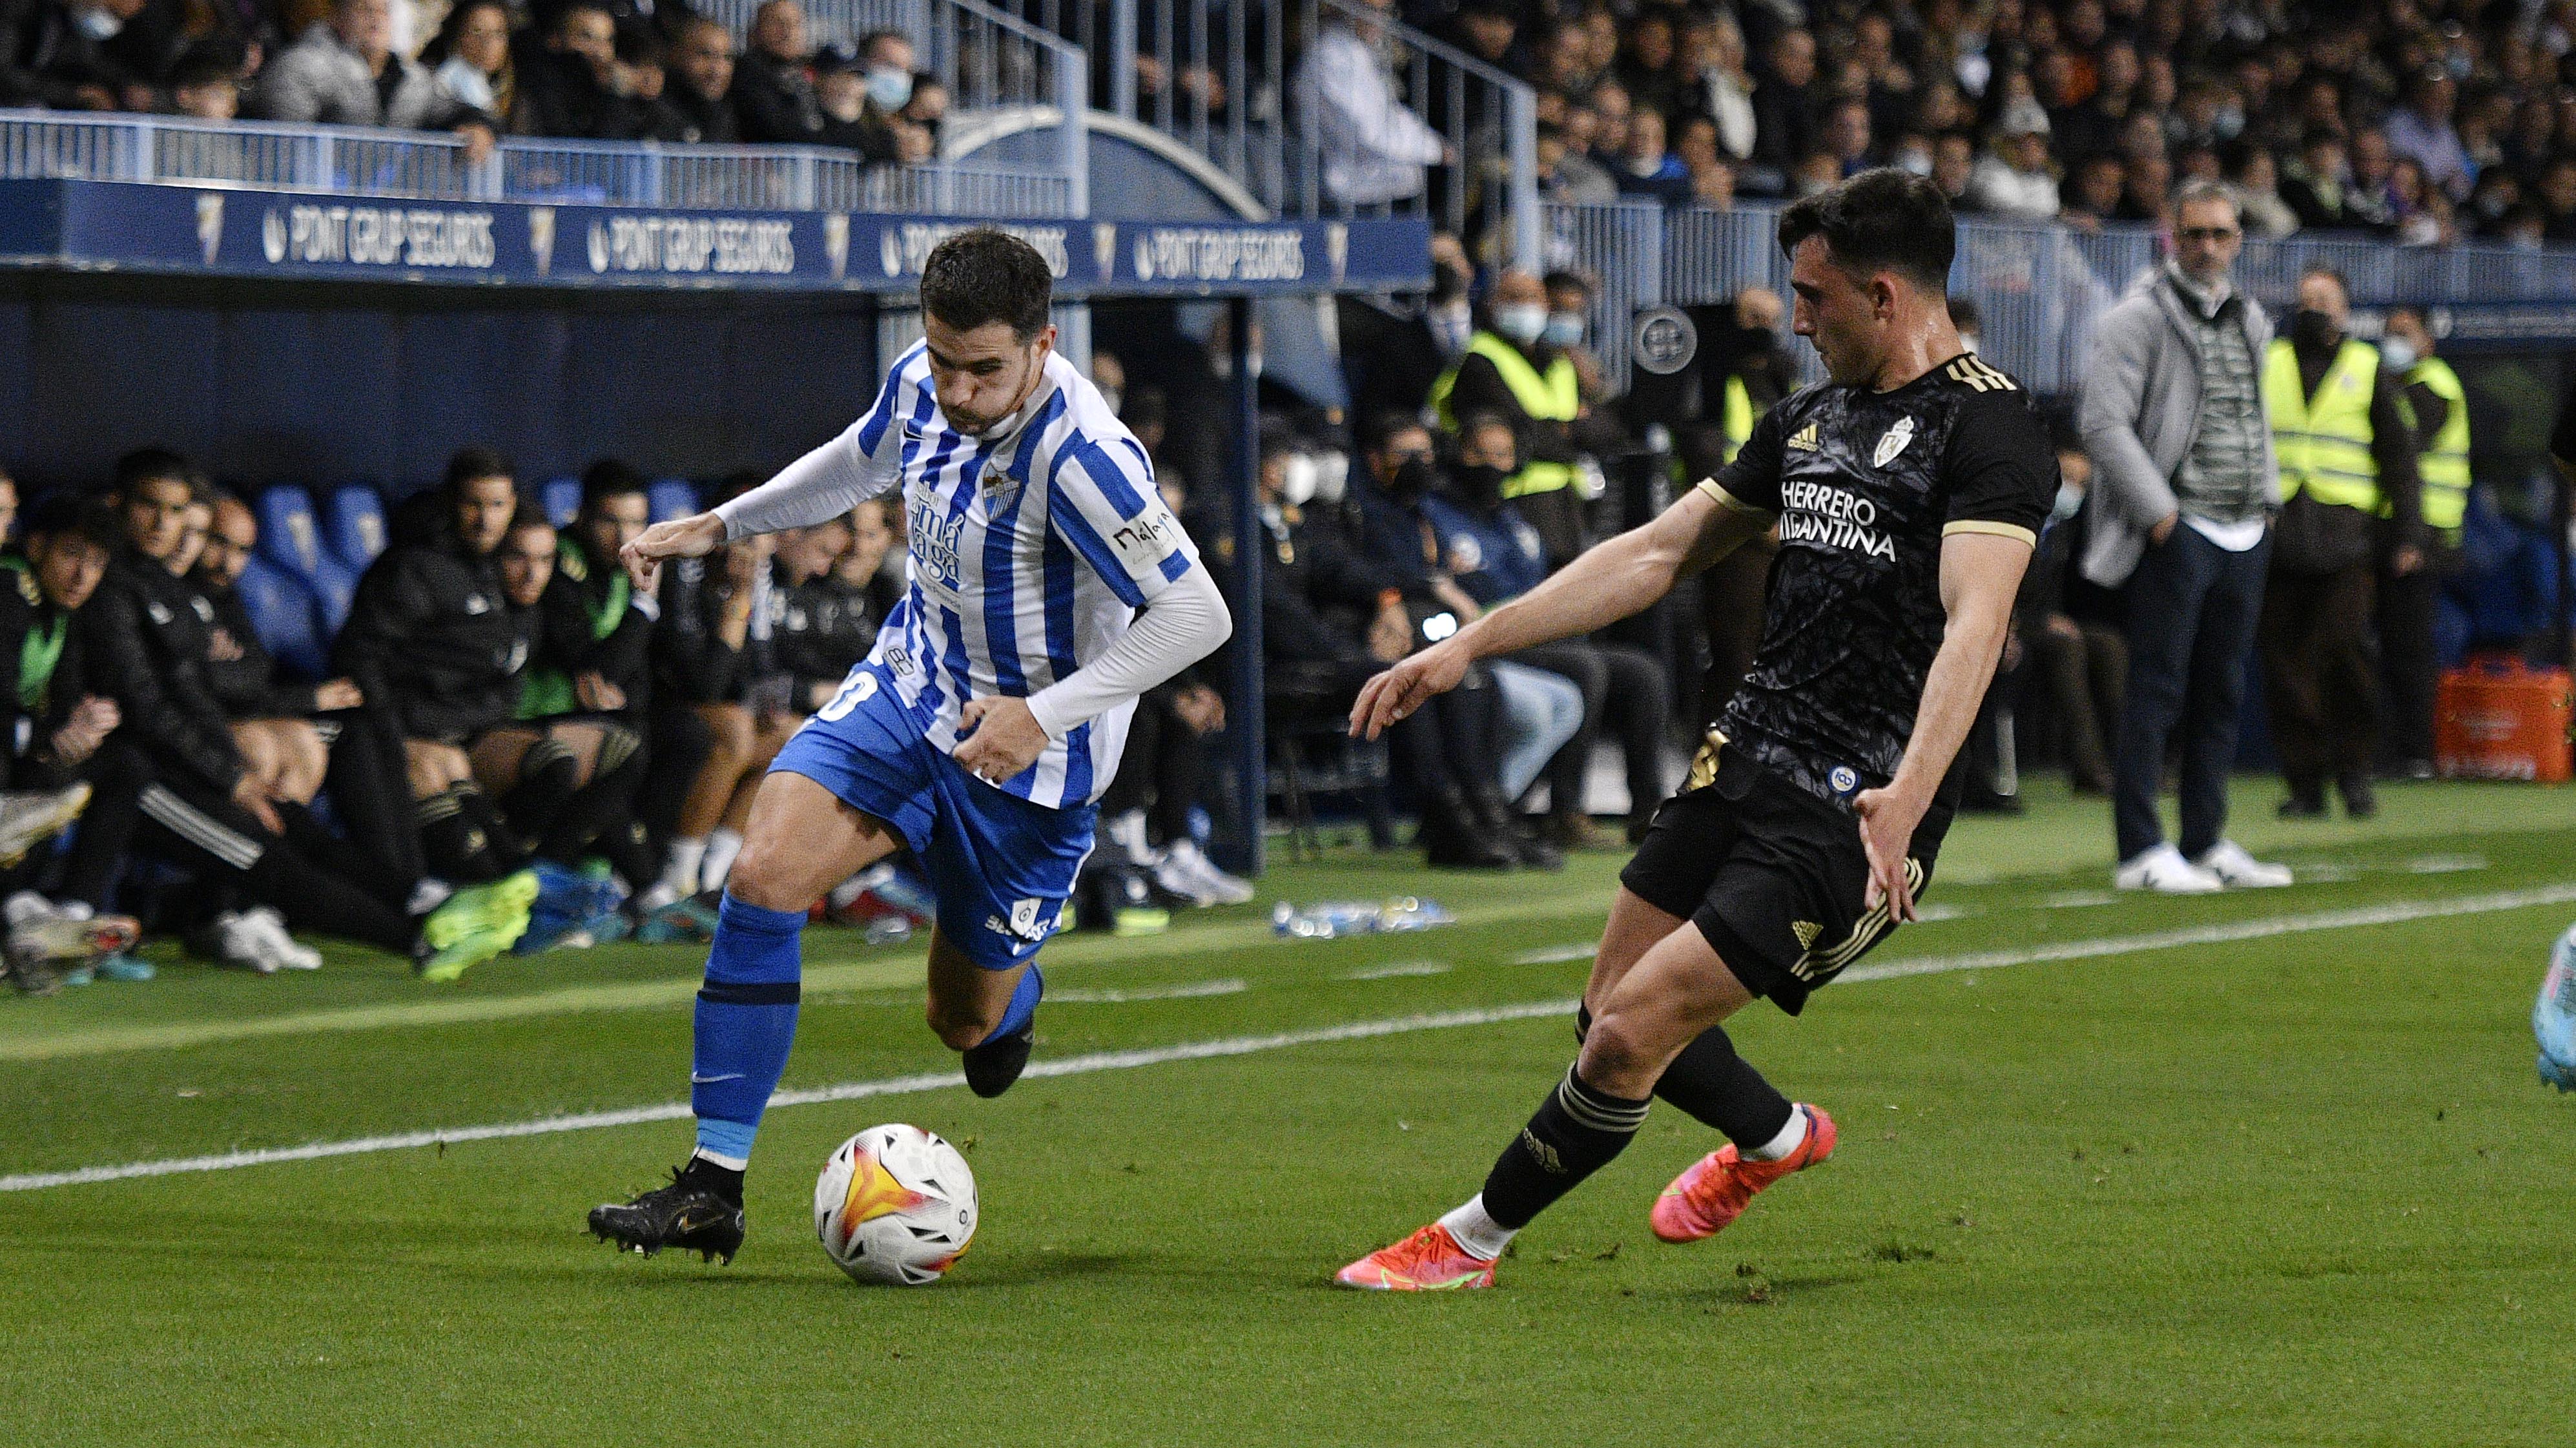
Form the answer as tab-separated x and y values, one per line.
1613	1051
769	877
959	1028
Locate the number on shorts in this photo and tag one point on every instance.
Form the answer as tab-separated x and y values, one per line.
857	689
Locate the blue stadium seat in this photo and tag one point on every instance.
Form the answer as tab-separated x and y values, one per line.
287	617
290	537
673	498
561	498
354	525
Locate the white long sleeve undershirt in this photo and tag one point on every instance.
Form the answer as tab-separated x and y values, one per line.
1184	624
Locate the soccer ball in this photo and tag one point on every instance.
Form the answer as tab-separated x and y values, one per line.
895	1204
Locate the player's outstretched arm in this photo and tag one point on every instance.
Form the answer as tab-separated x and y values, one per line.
1980	574
695	536
1619	577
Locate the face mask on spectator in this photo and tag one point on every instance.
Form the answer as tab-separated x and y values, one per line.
2228	123
1478	482
1300	485
1413	478
1332	476
2311	328
1914	161
1564	329
2070	501
2396	354
1522	322
100	24
889	87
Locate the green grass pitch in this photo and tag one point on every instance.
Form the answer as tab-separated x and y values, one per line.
2283	1186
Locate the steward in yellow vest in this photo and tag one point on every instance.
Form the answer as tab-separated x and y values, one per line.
2340	429
2440	407
1540	387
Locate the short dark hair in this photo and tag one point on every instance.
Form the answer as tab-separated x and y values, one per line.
984	275
1563	280
2342	283
470	463
151	464
1879	220
563	17
874	38
1476	422
610	478
63	513
1381	426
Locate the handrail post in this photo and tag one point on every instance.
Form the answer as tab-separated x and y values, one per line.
1073	99
1122	58
1521	146
147	158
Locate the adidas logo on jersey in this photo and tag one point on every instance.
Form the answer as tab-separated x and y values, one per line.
1804	439
1980	376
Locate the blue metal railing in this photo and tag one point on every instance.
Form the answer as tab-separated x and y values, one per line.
435	166
2040	288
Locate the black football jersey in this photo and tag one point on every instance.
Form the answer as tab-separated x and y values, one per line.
1865	485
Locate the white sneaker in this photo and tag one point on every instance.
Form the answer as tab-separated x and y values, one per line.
2164	870
237	942
29	819
1224	889
282	947
1176	879
2233	867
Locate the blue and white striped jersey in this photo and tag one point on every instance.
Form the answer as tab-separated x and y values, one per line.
1030	552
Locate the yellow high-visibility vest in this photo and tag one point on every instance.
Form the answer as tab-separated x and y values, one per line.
2324	442
2445	463
1555	397
1737	420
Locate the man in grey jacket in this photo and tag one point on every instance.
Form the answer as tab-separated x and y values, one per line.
2185	485
344	72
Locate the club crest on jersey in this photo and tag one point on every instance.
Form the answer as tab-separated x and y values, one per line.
1844	779
1894	443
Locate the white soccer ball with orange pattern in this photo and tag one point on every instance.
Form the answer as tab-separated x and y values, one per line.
895	1204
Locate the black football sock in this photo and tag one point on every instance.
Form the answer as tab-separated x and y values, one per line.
1576	1131
548	774
1717	1087
724	1181
507	847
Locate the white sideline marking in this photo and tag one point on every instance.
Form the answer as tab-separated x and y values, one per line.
1227	985
1558	954
1399	968
2391	914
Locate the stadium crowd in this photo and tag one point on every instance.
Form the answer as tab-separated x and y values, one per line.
602	70
2416	121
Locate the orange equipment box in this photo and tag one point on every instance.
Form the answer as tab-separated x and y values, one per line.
2497	718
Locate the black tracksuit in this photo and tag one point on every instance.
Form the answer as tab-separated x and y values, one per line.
41	679
147	641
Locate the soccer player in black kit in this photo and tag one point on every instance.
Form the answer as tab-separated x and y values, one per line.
1908	490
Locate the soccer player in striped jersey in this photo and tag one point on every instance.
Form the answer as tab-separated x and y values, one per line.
980	729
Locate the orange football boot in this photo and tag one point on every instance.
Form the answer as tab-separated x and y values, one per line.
1717	1187
1428	1261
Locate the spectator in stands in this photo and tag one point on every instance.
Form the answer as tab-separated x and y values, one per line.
642	81
345	72
147	643
52	53
568	766
1714	54
1785	102
2256	180
206	84
569	83
1513	371
1569	319
1649	170
273	719
851	120
431	641
64	733
2070	627
1496	556
2557	193
1954	160
702	82
2013	178
2184	484
476	68
1398	476
2422	129
709	649
1314	668
2093	191
608	652
2318	185
773	82
1372	148
1568	178
1847	134
918	124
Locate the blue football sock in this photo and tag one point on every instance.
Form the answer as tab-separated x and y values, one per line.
1024	1004
746	1021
